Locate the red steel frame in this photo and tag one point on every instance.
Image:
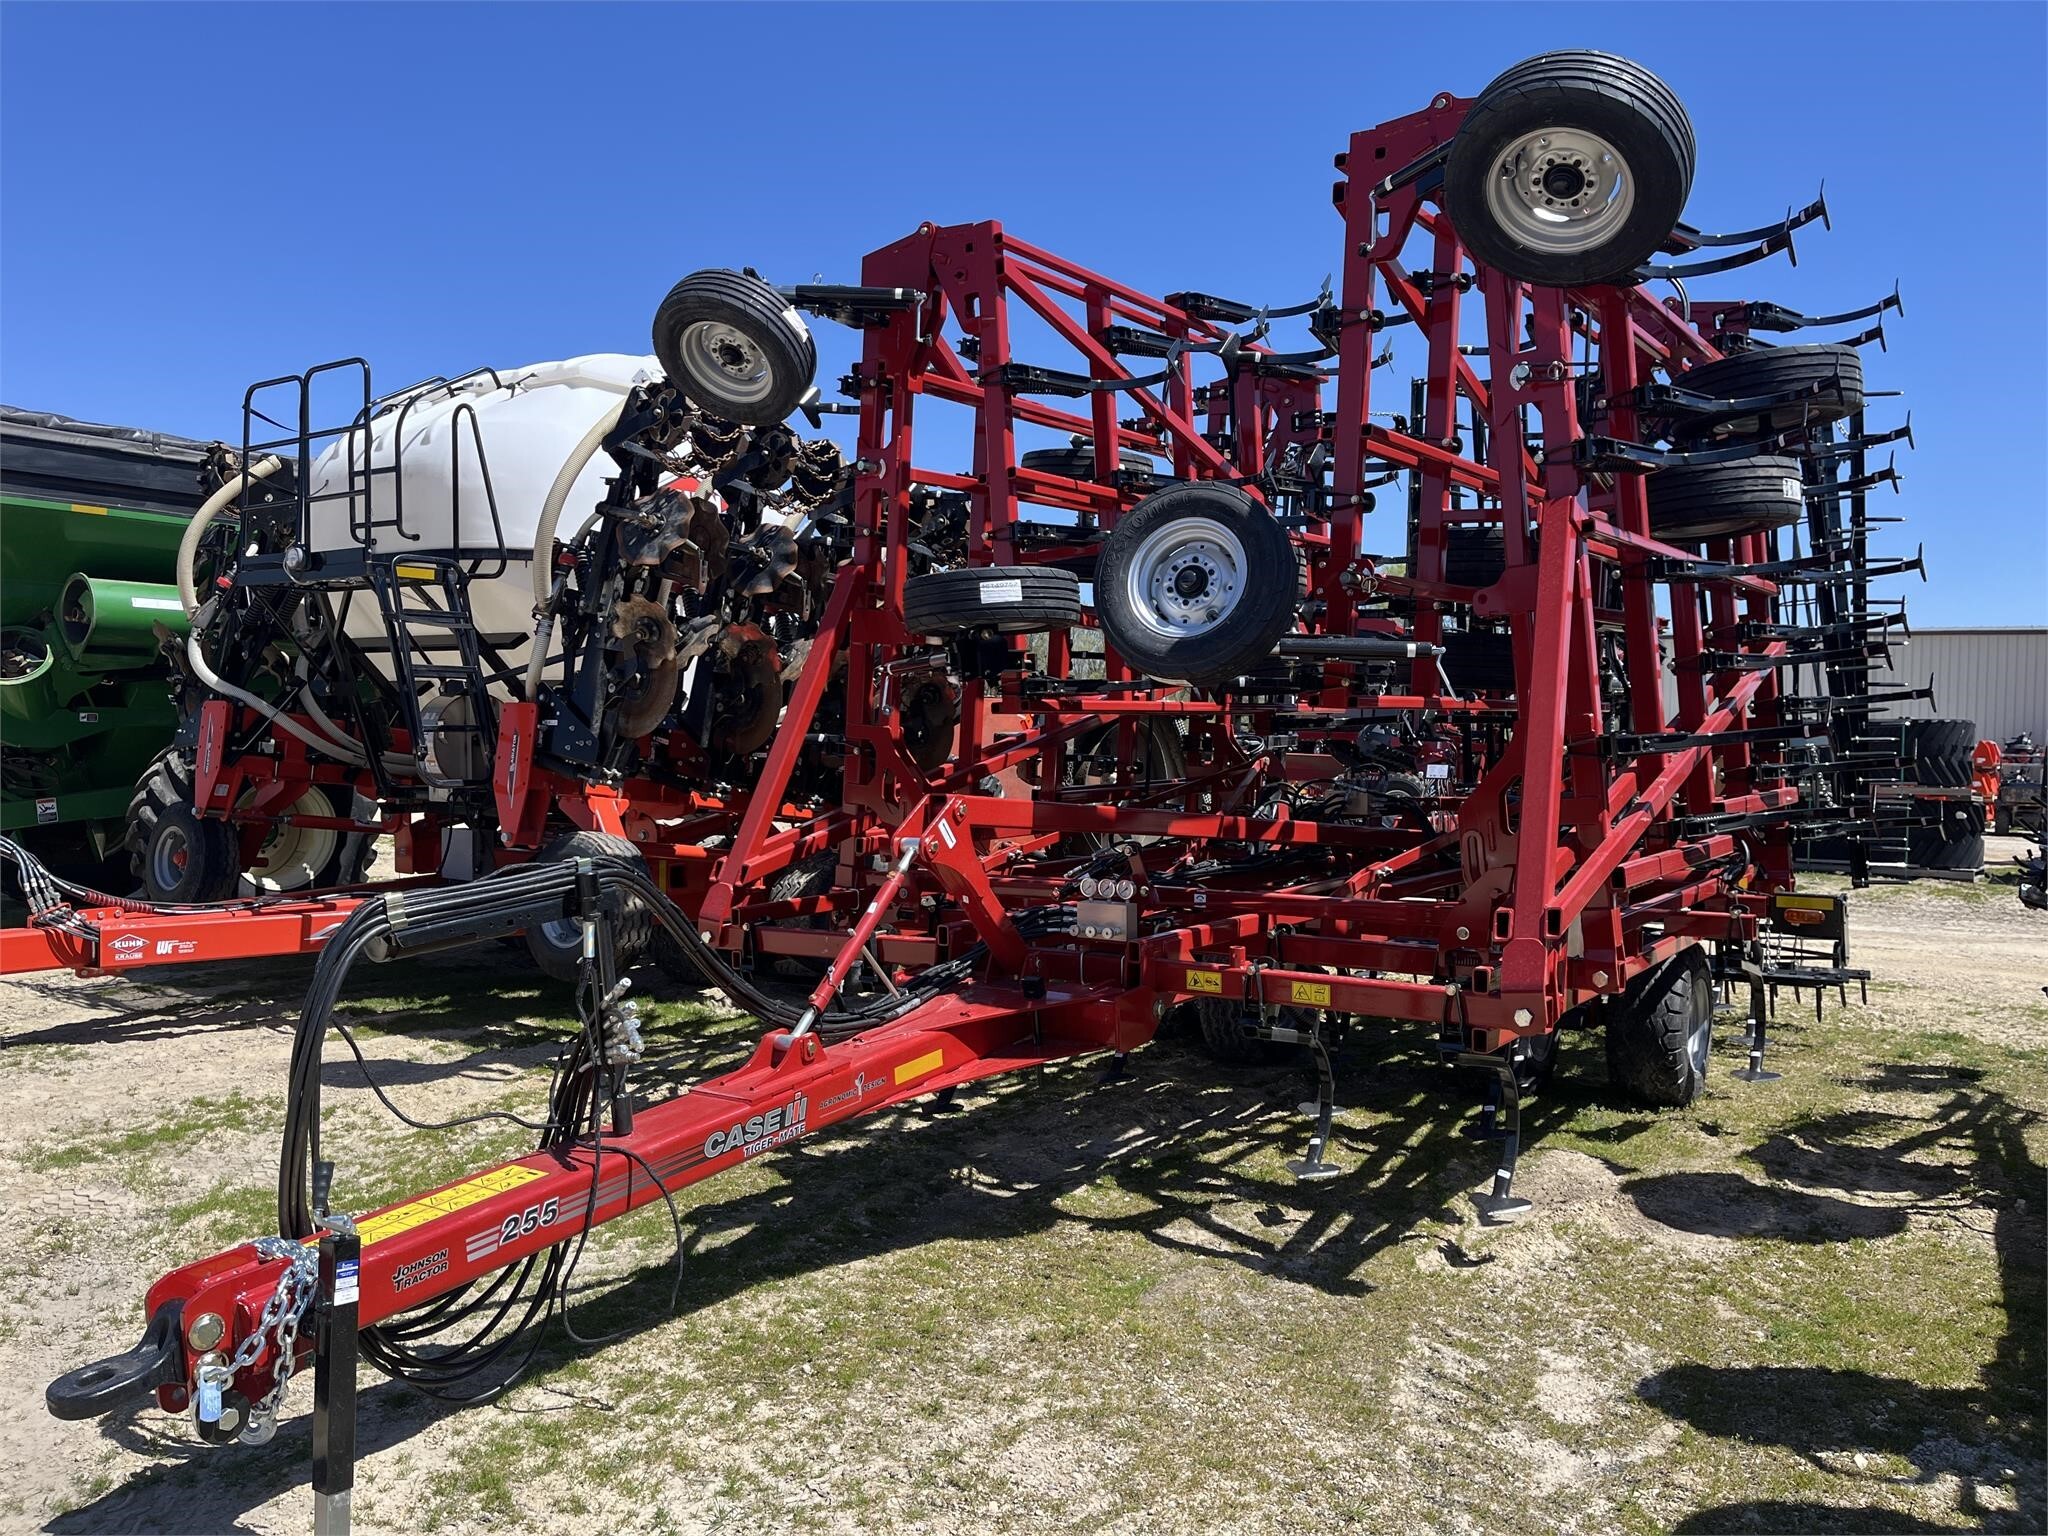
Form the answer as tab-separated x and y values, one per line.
1553	880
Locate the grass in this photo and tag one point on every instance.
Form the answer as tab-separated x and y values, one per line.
1814	1304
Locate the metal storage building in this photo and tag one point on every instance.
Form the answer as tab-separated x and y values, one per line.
1996	677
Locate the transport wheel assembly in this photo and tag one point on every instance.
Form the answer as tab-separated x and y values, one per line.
992	599
557	944
1474	557
810	877
1570	168
735	346
1660	1032
1715	501
1938	752
1078	461
1196	584
311	858
179	855
1828	378
1229	1034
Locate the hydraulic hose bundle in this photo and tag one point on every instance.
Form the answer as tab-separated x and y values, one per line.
413	922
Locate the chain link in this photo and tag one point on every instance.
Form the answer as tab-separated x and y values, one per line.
290	1300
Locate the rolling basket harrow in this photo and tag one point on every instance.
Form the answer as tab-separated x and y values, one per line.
1198	733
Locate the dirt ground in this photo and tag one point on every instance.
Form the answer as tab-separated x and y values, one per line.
1815	1304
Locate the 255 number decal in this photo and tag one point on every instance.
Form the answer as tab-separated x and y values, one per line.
530	1220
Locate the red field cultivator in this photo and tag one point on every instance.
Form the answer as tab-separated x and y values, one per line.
1145	708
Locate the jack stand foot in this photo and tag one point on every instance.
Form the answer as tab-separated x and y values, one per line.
331	1513
940	1103
1118	1069
334	1381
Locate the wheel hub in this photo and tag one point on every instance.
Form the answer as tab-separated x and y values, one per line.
1561	190
1186	577
725	361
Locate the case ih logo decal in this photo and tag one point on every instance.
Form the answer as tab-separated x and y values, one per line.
757	1133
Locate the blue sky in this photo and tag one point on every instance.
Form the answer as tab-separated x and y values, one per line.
193	197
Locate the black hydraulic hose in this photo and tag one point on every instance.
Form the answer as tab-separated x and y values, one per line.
525	1294
402	921
41	886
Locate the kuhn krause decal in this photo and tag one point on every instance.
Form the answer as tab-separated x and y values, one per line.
757	1133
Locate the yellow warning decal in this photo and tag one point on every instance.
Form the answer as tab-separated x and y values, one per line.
930	1061
79	506
414	572
1205	981
1315	994
444	1202
1807	903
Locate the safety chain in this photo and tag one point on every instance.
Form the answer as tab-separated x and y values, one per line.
283	1314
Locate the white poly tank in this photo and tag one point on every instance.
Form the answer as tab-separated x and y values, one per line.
529	424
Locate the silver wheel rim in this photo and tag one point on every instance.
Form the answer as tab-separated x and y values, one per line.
169	857
1561	190
562	933
292	858
725	362
1186	577
1700	1047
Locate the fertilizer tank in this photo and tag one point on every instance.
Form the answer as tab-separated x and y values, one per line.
440	458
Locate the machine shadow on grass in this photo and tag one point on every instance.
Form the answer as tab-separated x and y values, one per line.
1985	1431
1179	1135
1193	1154
455	996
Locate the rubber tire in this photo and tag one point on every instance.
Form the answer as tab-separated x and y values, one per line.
1650	1027
1078	463
1474	557
955	602
1479	660
1276	580
163	802
753	308
1219	1023
632	931
1714	501
1963	854
1614	97
2001	821
1772	371
812	877
1162	757
667	952
1940	753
